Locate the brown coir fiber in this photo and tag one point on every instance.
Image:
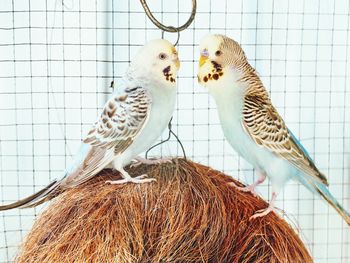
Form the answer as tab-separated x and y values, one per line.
189	215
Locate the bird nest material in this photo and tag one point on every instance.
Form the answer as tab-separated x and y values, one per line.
190	214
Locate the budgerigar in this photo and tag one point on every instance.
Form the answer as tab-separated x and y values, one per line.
252	125
131	121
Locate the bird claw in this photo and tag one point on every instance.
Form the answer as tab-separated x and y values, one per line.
136	164
150	162
249	188
165	160
262	212
136	180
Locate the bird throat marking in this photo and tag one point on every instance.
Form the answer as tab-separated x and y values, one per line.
215	74
168	75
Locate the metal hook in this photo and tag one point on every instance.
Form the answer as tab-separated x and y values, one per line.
167	139
178	35
169	28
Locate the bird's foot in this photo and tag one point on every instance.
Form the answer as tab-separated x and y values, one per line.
248	188
136	180
263	212
140	161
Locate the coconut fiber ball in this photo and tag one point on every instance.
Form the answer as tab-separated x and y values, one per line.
190	214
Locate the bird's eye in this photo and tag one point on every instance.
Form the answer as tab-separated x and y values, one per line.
218	53
162	56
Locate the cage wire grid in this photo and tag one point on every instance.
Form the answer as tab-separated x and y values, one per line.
58	59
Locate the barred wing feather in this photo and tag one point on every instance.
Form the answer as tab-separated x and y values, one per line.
266	127
121	120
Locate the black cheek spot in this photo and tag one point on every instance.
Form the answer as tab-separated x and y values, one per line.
166	70
216	65
205	79
216	76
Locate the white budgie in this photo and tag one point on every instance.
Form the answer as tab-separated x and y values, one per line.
252	125
129	124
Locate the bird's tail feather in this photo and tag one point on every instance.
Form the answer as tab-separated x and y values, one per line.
324	192
39	197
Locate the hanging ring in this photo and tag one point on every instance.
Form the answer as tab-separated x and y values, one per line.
178	35
169	28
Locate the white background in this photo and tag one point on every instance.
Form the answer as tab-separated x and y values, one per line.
57	62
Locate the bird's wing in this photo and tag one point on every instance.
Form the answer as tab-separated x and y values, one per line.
266	127
120	122
122	119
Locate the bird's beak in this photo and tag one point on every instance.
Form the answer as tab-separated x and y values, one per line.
177	63
202	60
176	60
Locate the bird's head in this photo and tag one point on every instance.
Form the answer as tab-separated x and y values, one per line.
158	62
220	60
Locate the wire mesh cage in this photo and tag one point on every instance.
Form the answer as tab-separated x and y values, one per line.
60	61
